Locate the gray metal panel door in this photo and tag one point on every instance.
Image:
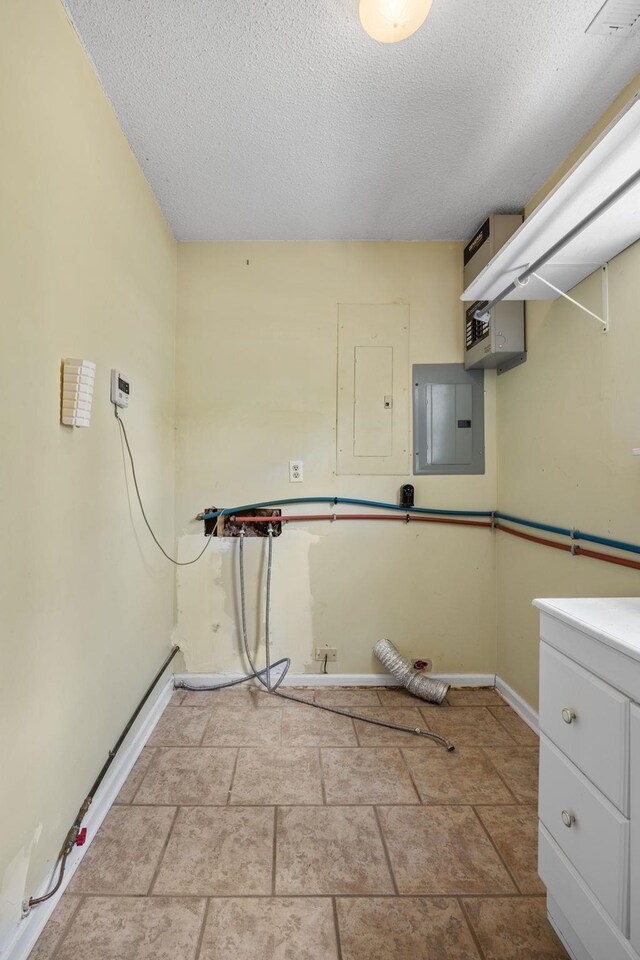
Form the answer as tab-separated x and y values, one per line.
448	419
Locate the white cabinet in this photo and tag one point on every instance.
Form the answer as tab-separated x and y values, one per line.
635	828
589	803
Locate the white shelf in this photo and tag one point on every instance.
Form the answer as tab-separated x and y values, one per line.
611	161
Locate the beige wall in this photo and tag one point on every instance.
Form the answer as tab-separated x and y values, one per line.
87	269
567	421
256	387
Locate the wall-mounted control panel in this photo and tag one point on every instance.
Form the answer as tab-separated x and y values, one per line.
119	389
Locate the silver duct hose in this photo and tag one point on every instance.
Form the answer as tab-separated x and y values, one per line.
420	686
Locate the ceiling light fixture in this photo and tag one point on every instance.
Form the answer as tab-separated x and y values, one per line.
388	21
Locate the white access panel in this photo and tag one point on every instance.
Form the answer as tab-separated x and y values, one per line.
373	420
373	389
635	827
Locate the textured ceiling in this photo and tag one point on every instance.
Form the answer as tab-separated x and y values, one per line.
283	120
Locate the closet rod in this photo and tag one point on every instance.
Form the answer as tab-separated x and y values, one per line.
623	189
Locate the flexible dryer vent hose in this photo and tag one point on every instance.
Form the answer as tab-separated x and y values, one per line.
424	687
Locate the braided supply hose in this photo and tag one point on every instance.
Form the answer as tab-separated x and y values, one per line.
420	686
272	688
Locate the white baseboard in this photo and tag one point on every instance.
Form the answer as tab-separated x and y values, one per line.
520	706
30	927
342	679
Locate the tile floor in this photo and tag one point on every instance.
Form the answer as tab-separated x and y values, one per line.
253	828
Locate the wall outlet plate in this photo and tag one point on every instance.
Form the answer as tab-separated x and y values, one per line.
330	653
296	471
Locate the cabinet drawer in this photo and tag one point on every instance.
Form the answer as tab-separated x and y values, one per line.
594	928
588	720
597	841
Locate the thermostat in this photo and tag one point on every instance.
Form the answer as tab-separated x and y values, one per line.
119	389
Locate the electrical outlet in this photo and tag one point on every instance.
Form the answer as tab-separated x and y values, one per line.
330	653
296	471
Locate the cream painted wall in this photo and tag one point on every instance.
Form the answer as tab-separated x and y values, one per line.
567	421
87	269
256	387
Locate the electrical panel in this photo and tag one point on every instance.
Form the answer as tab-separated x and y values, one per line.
495	340
448	419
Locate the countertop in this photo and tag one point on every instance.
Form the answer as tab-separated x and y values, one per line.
612	620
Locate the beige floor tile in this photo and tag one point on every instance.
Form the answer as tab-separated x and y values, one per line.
125	852
373	735
474	697
134	928
218	851
347	697
407	928
270	929
248	698
277	775
395	697
230	727
468	726
307	727
514	928
465	776
338	853
366	775
293	700
55	928
178	727
518	766
188	775
515	725
514	831
441	850
176	698
135	778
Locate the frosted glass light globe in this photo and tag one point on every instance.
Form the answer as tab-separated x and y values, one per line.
391	20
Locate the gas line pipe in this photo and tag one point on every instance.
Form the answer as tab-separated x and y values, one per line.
76	836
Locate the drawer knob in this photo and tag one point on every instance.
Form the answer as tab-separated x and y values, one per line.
568	715
568	818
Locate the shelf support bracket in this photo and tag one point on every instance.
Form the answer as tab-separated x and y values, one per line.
604	320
